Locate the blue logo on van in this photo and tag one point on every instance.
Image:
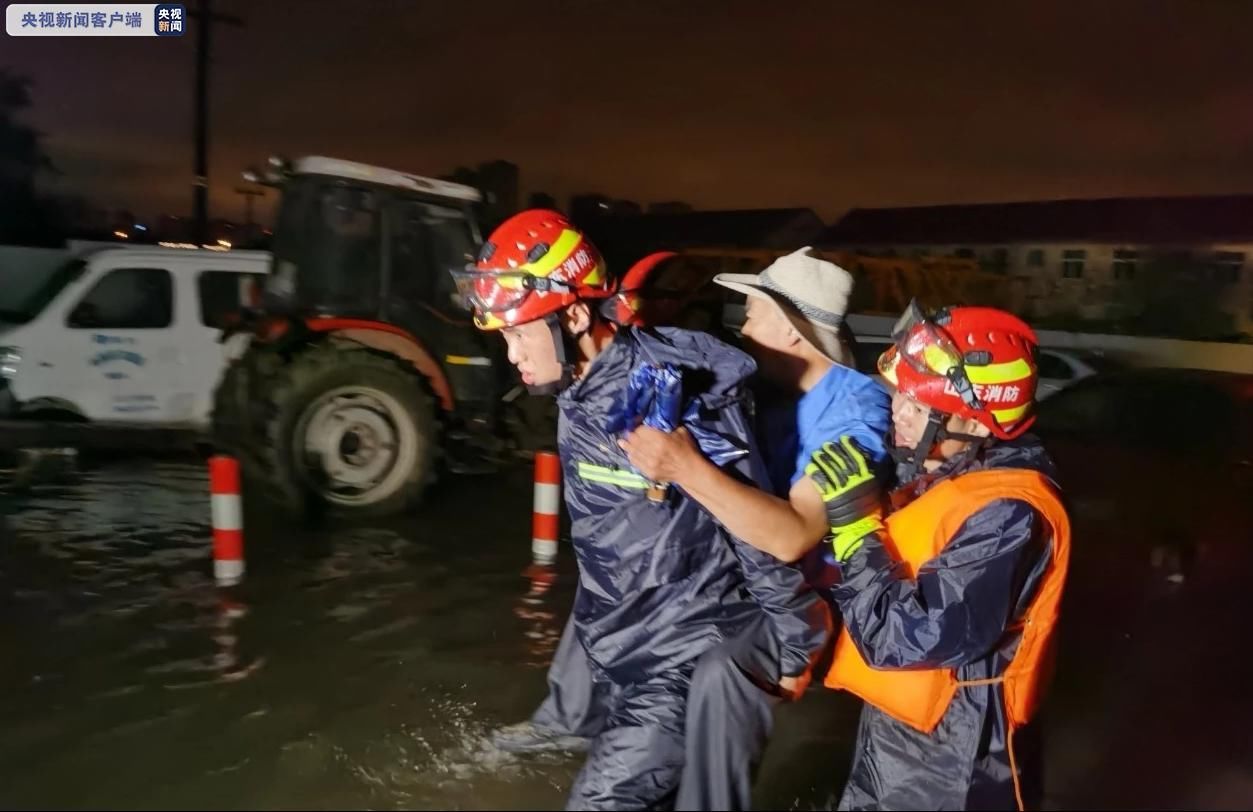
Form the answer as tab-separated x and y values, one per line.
117	355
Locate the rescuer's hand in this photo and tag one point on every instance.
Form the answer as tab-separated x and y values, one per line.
661	456
850	491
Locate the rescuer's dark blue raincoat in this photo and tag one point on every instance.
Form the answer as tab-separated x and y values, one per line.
659	583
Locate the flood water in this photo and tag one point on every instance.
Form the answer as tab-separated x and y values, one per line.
364	666
356	667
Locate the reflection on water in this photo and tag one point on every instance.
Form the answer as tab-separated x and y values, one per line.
355	666
543	619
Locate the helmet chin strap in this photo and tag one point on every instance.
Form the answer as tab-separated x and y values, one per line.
566	348
936	433
913	458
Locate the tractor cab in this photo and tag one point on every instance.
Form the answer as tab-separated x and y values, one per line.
356	241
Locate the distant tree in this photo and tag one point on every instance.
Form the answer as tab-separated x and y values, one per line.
24	215
1176	295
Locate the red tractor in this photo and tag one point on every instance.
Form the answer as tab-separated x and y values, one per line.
361	368
363	374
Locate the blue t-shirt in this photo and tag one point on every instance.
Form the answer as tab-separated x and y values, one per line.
845	401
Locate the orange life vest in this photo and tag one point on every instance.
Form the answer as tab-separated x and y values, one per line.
915	535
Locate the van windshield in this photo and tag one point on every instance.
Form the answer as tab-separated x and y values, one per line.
32	304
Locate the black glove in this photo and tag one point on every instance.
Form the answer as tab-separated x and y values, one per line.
852	493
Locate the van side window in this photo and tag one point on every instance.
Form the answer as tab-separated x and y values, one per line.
223	294
127	299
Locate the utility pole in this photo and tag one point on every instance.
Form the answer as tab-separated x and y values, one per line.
206	19
249	195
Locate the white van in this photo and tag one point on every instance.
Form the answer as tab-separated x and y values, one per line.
125	336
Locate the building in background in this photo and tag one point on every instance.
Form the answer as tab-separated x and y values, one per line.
670	207
1171	266
541	200
499	182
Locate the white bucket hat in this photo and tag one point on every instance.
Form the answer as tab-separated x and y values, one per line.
812	293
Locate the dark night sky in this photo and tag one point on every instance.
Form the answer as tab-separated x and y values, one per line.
829	105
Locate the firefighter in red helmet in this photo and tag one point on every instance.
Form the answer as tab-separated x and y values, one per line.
532	267
950	598
660	580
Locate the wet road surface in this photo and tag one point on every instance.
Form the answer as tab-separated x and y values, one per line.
356	666
364	666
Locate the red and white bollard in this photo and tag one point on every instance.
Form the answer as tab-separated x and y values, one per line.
228	520
546	515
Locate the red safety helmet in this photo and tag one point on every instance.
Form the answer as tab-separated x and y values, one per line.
533	264
975	362
629	306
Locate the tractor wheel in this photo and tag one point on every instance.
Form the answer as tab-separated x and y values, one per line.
350	430
233	406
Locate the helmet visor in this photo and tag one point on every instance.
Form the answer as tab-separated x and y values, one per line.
498	291
929	351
